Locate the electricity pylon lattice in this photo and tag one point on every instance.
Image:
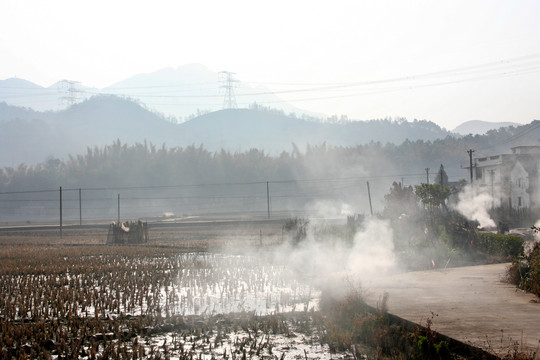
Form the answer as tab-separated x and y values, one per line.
229	83
69	87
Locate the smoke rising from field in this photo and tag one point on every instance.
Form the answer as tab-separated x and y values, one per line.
331	263
328	209
474	204
373	249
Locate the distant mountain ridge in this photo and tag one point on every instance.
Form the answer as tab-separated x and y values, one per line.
30	137
176	93
242	129
23	93
481	127
27	136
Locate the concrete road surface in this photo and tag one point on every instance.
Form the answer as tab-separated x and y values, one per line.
471	304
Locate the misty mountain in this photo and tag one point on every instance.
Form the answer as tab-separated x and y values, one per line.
23	93
27	136
9	112
273	131
30	137
193	89
175	93
481	127
179	92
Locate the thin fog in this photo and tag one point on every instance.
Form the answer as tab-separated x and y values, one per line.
329	264
318	263
324	186
342	189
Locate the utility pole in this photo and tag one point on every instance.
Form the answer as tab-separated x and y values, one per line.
427	176
492	173
118	208
229	102
369	196
470	151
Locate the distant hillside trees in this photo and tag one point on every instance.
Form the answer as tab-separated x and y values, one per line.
158	179
145	164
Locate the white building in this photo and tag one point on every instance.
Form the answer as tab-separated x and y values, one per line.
511	179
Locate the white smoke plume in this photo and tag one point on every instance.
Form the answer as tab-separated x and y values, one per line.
328	209
536	234
373	250
474	204
330	262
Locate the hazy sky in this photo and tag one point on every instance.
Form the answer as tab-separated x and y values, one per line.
445	61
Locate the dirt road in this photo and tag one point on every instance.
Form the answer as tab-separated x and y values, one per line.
471	304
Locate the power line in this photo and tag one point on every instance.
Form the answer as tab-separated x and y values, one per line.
532	126
503	68
466	69
161	86
289	181
229	85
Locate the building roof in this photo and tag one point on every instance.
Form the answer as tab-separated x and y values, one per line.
526	149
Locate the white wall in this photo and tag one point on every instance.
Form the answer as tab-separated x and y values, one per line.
519	182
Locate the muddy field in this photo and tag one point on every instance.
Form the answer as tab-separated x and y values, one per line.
199	234
199	289
191	292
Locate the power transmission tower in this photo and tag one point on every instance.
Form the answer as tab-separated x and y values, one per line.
71	92
229	83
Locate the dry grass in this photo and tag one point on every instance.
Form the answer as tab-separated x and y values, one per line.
78	298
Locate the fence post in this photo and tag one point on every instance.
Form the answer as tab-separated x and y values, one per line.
80	207
60	212
268	198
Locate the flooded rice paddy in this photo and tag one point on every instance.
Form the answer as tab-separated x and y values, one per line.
150	302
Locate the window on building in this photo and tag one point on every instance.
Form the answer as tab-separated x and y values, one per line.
519	183
519	201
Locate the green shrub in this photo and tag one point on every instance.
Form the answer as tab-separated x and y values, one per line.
297	229
525	272
499	244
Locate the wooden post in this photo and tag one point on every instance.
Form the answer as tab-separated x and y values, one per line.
268	198
80	207
60	212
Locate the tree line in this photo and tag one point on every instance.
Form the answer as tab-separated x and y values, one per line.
145	164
